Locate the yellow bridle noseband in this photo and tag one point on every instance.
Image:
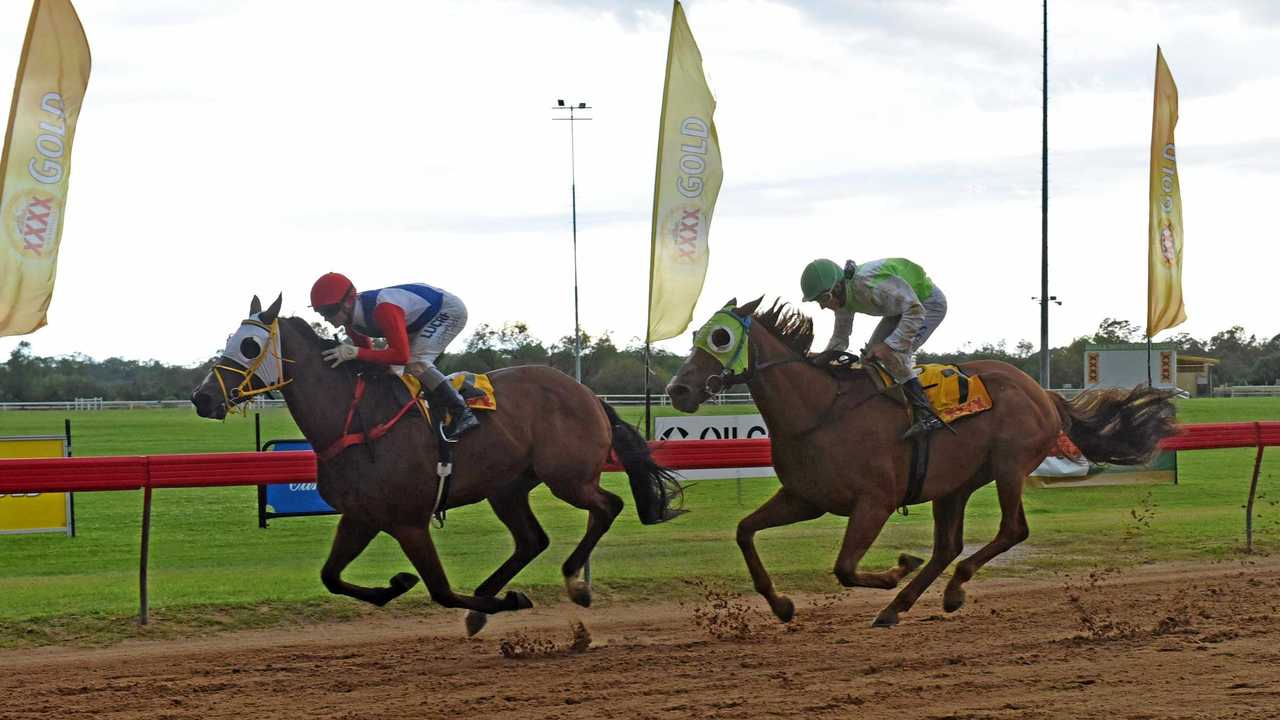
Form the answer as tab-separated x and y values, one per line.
272	378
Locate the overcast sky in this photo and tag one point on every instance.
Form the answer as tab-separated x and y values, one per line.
231	148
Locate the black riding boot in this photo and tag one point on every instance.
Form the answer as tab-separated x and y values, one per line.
926	418
461	419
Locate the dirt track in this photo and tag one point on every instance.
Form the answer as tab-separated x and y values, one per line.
1163	642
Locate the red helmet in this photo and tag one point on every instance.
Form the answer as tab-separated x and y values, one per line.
331	289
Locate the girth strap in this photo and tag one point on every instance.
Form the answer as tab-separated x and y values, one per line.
917	470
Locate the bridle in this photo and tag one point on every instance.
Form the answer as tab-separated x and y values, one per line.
245	389
727	378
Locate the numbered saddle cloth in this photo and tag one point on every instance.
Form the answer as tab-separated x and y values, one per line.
475	388
952	393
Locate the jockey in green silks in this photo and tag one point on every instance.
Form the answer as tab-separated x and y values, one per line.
911	307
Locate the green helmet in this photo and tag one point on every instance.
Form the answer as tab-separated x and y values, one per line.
818	277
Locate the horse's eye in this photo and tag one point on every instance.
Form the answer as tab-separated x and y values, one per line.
250	348
720	340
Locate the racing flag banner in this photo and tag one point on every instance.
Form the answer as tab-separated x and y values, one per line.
1164	269
685	187
52	75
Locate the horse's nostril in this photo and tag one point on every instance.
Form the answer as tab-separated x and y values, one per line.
201	401
675	390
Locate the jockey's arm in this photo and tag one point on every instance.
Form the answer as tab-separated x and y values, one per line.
389	319
841	331
895	297
359	339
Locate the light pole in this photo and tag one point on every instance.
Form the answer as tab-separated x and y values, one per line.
573	193
1044	205
1044	336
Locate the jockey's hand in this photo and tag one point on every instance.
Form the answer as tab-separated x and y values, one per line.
343	352
880	352
824	358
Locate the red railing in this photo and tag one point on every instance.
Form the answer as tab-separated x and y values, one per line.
298	466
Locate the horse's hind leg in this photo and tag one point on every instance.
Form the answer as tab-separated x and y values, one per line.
1013	530
416	543
602	509
781	509
351	538
948	542
865	522
514	512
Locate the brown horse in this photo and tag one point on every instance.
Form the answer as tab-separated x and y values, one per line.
837	447
547	428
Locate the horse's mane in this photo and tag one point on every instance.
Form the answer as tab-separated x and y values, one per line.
792	327
308	333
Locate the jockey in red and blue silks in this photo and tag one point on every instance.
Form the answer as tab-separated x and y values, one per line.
418	322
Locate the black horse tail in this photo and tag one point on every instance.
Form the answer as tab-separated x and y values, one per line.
1118	426
654	487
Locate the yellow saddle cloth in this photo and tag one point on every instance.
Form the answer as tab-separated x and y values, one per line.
953	394
475	388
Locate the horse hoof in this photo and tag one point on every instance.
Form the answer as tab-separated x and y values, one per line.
953	599
579	592
784	609
516	601
400	584
887	618
476	621
403	582
909	563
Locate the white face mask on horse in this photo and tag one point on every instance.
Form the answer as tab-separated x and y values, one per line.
255	347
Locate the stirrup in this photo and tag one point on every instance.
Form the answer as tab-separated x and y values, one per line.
458	425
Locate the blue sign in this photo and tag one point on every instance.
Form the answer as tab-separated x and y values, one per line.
293	498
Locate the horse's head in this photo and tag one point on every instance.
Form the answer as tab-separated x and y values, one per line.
719	359
251	364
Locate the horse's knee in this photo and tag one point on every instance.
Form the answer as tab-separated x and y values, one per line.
332	580
615	504
744	535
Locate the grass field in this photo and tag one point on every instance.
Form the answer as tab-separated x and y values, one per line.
212	567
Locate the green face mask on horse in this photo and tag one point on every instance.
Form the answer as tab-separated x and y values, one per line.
724	337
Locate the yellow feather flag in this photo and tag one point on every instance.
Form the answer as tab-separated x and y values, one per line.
685	187
1164	271
52	75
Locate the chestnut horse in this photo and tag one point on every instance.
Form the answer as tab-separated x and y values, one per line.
837	447
547	428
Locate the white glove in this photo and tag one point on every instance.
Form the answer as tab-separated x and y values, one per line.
341	353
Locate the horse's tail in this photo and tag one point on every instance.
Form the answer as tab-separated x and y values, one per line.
1118	426
653	486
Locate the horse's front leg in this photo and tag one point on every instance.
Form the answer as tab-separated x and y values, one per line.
781	509
948	542
417	546
530	539
351	538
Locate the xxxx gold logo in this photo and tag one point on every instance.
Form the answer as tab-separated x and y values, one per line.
685	229
31	222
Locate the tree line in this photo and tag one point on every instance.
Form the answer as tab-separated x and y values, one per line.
608	369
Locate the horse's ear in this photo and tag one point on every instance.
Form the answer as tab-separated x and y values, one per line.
255	307
273	311
749	308
731	304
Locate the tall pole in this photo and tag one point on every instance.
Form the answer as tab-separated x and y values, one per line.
573	194
1044	209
